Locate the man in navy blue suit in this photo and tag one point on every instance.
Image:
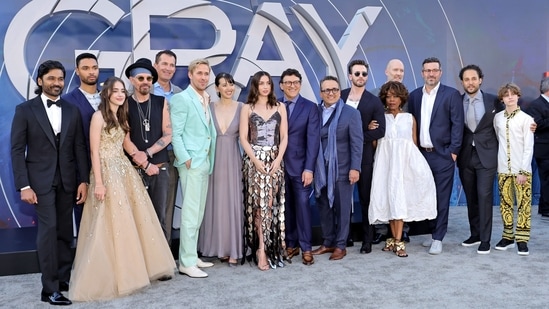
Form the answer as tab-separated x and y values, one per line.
299	164
86	98
438	110
338	167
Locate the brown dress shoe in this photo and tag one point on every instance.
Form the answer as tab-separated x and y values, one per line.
322	249
307	258
338	254
291	252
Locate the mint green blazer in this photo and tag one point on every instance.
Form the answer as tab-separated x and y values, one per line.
192	136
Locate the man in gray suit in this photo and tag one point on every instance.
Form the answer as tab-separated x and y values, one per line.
477	160
338	167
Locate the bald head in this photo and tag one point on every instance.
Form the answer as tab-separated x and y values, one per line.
395	70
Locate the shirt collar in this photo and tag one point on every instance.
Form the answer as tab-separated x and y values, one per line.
476	97
291	101
545	97
45	99
434	91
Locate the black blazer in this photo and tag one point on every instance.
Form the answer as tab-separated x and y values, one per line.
31	132
370	108
486	143
539	110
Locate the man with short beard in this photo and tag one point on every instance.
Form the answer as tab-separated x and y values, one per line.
86	98
150	133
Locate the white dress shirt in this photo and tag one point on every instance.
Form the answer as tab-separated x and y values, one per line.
54	113
427	103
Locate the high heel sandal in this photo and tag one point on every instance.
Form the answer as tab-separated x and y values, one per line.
261	266
389	244
400	249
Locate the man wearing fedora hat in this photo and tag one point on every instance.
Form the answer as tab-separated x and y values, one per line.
150	133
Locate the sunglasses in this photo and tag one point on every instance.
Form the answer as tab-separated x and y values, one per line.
142	78
357	74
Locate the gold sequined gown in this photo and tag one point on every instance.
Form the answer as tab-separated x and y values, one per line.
259	189
121	247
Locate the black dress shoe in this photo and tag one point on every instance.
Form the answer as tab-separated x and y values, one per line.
378	238
405	237
350	242
366	248
63	286
56	298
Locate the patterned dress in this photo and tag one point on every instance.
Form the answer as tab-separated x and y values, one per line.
121	247
261	189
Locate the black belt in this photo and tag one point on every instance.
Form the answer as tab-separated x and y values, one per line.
431	149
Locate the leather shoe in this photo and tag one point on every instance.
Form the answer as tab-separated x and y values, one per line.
291	252
338	254
405	237
378	238
55	298
203	264
63	286
366	248
193	272
307	258
322	249
350	242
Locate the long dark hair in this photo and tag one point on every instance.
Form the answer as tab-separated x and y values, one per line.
122	113
253	95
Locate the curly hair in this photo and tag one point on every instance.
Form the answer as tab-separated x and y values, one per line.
397	88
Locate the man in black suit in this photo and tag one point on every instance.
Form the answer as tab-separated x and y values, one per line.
438	110
539	110
47	143
477	159
371	110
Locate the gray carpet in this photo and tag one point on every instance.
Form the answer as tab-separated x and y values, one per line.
459	278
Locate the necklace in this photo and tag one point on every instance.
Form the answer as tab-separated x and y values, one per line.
145	119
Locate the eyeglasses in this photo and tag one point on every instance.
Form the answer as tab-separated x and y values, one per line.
431	71
289	83
357	74
142	78
331	90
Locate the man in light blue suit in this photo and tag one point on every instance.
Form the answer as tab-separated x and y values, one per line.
194	148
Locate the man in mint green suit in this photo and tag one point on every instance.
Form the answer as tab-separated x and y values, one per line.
194	148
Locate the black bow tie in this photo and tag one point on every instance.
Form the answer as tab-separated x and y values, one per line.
50	103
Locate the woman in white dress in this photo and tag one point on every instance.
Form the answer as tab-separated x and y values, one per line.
403	188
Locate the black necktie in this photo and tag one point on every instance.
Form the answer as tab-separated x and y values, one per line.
50	103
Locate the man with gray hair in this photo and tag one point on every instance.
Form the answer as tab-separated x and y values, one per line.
539	110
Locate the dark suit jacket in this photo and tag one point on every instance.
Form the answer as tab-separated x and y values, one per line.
446	123
349	141
77	98
486	143
370	108
303	137
539	110
31	132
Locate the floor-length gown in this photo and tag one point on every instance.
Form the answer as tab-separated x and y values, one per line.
403	185
264	137
121	246
221	233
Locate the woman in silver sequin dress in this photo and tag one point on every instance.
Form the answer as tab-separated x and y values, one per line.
263	135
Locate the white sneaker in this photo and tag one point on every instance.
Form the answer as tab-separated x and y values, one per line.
436	247
427	243
193	272
203	264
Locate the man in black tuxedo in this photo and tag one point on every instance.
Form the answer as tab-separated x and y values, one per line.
47	143
438	110
539	110
371	111
477	159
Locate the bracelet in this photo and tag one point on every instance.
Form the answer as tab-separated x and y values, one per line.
146	167
148	154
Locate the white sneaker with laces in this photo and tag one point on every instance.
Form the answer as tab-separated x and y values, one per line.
436	247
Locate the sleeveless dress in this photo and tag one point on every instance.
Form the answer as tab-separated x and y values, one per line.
221	233
264	137
121	247
403	185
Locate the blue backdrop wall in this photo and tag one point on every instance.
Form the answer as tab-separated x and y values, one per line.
507	38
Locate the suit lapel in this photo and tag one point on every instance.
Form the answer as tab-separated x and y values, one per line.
198	106
42	119
298	107
65	121
438	99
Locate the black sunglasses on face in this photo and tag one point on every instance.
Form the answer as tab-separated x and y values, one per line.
357	74
142	78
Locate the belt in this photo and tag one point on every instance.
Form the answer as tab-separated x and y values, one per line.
431	149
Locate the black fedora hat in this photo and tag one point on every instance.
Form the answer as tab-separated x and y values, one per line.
143	63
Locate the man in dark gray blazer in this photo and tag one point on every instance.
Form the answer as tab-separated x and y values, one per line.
477	159
337	168
539	110
438	110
